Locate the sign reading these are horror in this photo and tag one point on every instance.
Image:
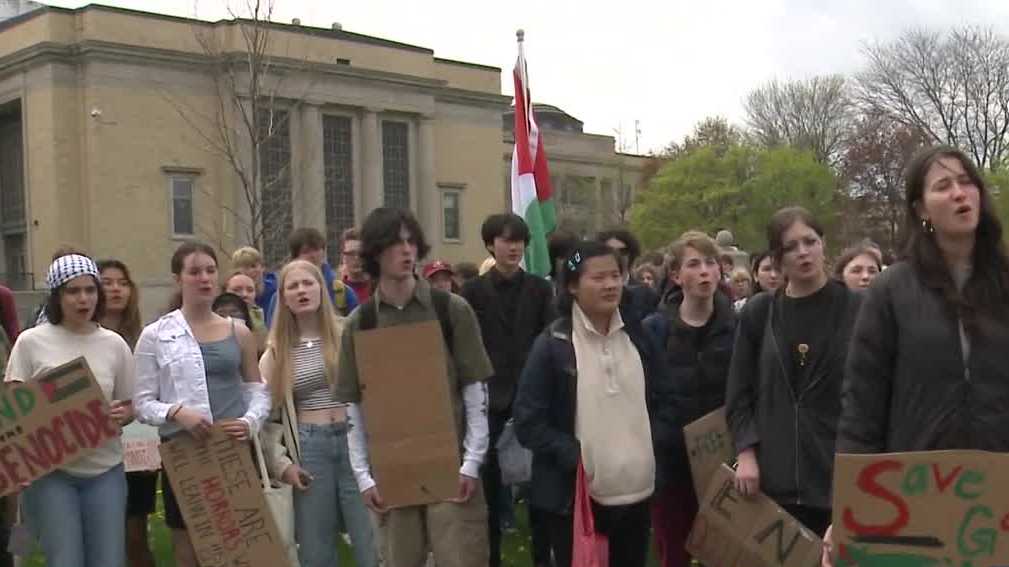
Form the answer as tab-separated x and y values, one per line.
221	498
49	421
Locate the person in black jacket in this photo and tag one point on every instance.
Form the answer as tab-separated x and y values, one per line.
784	390
595	392
638	300
927	368
513	307
696	329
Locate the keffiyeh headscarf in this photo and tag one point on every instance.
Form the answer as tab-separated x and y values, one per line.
66	268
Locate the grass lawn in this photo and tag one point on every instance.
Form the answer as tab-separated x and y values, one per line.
514	549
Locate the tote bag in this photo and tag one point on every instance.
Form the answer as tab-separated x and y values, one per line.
590	549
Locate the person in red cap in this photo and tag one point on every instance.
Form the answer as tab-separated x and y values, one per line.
441	276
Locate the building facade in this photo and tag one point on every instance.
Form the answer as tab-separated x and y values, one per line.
593	185
104	144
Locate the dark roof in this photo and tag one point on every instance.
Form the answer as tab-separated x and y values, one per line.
547	116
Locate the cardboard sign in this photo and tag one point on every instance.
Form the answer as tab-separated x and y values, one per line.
734	531
49	421
140	448
709	446
412	439
921	509
219	492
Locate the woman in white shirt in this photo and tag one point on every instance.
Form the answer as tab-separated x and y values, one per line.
308	448
78	511
196	369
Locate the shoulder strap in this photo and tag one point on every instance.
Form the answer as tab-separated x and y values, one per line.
369	318
441	300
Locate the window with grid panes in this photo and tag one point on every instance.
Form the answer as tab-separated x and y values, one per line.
182	205
276	210
451	208
396	164
337	139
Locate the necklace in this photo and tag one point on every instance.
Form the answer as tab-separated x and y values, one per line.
803	349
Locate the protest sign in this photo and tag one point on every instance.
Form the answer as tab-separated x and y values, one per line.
413	443
49	421
921	509
219	492
732	530
140	448
709	445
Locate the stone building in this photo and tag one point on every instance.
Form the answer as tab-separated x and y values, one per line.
95	151
593	184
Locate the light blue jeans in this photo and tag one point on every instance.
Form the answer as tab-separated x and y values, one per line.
80	521
331	501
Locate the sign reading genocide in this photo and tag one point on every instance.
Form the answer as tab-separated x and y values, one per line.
709	445
50	421
413	443
930	509
221	498
734	531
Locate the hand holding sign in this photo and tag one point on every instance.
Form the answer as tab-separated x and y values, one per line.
121	411
748	474
193	421
828	548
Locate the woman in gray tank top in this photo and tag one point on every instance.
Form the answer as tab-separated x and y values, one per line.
306	443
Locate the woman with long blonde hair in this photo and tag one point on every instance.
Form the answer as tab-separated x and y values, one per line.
306	442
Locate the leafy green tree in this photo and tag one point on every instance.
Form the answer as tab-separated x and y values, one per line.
738	188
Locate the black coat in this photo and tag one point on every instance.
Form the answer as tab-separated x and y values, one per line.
908	387
508	352
698	375
544	411
793	432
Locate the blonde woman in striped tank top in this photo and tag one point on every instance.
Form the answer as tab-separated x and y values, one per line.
306	441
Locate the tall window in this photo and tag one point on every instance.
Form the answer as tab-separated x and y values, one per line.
396	163
13	224
339	162
451	213
276	212
181	187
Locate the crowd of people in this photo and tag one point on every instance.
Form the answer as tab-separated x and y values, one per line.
595	369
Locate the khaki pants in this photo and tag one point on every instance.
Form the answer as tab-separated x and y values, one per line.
455	533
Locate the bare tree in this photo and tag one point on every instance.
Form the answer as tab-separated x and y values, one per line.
954	87
247	125
872	169
813	114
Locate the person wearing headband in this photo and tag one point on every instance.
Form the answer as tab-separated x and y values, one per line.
78	511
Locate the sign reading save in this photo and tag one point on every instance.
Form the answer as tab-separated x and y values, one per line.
931	509
49	421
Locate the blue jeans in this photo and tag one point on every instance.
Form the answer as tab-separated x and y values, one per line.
331	500
80	521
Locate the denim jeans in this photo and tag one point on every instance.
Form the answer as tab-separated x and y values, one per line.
331	501
80	521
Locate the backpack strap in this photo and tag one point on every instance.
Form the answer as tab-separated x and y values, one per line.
439	299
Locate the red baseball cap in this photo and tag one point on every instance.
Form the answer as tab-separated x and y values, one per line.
437	266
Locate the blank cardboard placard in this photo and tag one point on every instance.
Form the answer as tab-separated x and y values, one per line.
709	446
922	509
221	498
734	531
49	421
413	443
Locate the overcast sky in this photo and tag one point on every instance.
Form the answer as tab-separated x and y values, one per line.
665	63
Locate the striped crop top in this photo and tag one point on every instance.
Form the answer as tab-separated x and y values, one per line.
311	390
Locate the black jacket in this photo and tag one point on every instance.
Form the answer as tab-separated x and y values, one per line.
698	375
508	351
545	406
793	432
638	301
907	386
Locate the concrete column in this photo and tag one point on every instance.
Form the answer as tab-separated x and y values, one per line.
310	201
371	162
598	205
428	202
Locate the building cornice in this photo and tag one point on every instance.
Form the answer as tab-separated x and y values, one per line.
91	50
